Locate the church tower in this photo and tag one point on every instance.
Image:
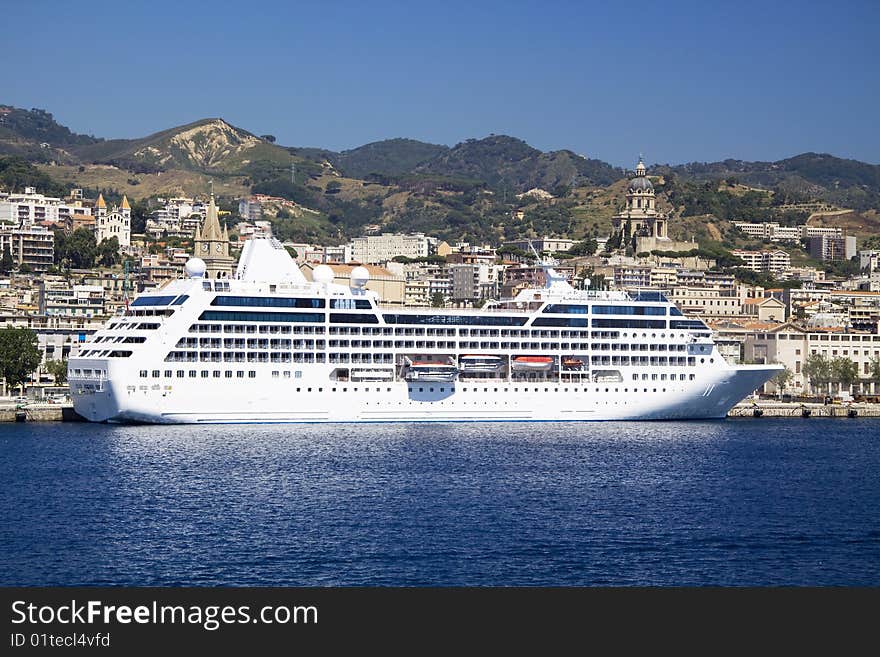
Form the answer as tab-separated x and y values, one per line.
640	218
212	245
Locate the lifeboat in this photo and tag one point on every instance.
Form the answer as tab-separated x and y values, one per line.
422	370
480	363
531	364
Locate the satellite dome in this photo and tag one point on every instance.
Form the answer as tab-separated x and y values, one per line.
323	274
195	268
359	277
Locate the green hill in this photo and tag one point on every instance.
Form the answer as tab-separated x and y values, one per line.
805	177
506	162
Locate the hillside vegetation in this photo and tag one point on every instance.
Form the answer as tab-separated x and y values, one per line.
471	191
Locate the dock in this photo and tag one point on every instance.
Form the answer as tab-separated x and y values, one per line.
39	412
766	408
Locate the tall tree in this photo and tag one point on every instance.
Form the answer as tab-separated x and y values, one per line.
817	369
58	370
108	252
19	355
782	380
844	372
6	261
77	249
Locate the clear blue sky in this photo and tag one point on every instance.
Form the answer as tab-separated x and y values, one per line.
679	81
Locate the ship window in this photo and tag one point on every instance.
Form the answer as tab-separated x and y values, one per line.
179	374
239	374
252	374
216	374
143	373
152	301
692	377
271	302
192	374
155	374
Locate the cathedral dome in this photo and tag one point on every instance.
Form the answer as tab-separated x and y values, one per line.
641	184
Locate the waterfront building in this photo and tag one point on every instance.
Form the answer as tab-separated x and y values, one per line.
791	345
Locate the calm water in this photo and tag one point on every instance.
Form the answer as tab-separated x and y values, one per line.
740	502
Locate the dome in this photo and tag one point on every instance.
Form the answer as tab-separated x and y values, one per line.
641	184
360	276
323	274
195	268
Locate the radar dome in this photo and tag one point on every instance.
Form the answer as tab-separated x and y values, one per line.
323	274
195	268
359	277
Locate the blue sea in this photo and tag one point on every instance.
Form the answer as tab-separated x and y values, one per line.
748	502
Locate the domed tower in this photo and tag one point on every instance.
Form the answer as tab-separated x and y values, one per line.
641	218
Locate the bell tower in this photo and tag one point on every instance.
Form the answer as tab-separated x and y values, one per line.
212	244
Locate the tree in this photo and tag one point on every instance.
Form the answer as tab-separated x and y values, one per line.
6	261
19	355
817	369
78	249
782	380
108	252
844	372
874	376
58	370
438	300
269	138
585	248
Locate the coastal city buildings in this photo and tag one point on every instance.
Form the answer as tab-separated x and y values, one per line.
418	270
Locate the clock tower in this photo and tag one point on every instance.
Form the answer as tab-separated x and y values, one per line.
212	245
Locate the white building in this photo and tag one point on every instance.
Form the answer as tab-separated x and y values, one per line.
375	249
774	262
792	345
829	247
542	244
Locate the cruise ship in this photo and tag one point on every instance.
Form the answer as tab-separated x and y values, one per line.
269	346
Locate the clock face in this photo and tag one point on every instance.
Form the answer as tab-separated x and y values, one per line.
219	248
205	246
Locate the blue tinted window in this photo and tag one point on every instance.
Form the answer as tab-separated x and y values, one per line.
630	323
561	321
351	304
687	324
566	308
629	310
353	318
179	300
477	320
234	316
271	302
152	301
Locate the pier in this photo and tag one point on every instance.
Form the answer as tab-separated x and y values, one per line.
766	408
39	412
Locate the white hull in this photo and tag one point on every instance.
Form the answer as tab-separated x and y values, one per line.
711	396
